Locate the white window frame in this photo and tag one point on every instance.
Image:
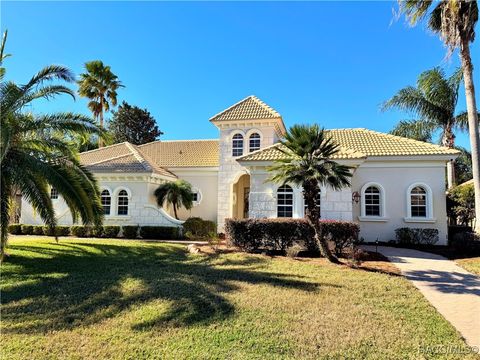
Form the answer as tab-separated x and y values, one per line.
115	196
429	202
292	192
199	196
56	192
259	139
238	147
363	209
111	200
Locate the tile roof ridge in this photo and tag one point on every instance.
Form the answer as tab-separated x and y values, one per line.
104	147
109	159
260	150
230	107
139	157
269	108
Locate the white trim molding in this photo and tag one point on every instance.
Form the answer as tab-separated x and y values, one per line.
363	216
429	204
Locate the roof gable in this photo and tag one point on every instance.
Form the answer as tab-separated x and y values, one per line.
250	108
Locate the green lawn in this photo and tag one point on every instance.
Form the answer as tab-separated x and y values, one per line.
470	264
114	299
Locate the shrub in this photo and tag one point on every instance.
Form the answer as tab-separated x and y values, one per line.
196	227
56	231
96	231
159	232
466	242
80	231
111	231
15	229
38	230
294	250
416	236
281	234
130	231
27	229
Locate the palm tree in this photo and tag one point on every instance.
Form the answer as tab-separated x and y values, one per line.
455	21
433	100
307	162
36	154
176	193
99	85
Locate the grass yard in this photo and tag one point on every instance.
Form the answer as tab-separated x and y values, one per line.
114	299
470	264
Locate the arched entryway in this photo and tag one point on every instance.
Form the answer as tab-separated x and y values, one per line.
240	202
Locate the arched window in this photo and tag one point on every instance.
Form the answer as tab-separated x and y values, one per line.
53	193
373	201
122	208
371	198
254	143
418	202
106	201
284	201
237	145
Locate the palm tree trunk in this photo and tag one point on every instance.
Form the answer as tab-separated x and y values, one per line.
472	124
449	141
310	194
175	211
100	140
4	216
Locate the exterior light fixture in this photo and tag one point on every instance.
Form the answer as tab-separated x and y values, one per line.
355	197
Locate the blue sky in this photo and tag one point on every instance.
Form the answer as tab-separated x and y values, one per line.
332	63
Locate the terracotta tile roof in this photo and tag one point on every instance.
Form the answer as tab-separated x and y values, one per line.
250	108
360	143
274	152
373	143
183	153
121	158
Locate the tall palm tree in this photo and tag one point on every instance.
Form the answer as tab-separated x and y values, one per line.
176	193
307	162
433	101
100	85
36	153
454	21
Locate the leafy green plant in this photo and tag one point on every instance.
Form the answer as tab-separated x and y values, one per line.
27	229
130	231
197	228
80	231
175	193
463	203
15	229
111	231
38	230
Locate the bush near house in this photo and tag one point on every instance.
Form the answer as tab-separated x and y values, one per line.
27	229
159	232
110	231
80	230
281	234
197	228
130	231
416	236
37	230
15	229
56	231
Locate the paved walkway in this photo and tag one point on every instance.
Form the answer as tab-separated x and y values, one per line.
453	291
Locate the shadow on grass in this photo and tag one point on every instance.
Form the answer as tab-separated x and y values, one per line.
63	286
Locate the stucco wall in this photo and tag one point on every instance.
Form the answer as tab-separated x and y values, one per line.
142	210
230	170
205	181
334	205
395	177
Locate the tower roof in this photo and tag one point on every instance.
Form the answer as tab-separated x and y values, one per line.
250	108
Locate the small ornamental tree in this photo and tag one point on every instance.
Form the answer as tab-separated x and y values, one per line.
307	162
175	193
132	124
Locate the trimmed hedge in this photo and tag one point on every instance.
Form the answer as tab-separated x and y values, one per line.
15	229
130	231
159	232
27	229
80	230
38	230
56	231
416	236
111	231
281	234
196	227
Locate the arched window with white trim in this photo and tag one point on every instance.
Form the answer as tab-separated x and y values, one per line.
373	201
285	201
418	202
106	200
254	142
122	203
237	145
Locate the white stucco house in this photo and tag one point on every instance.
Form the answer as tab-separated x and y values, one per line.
397	182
